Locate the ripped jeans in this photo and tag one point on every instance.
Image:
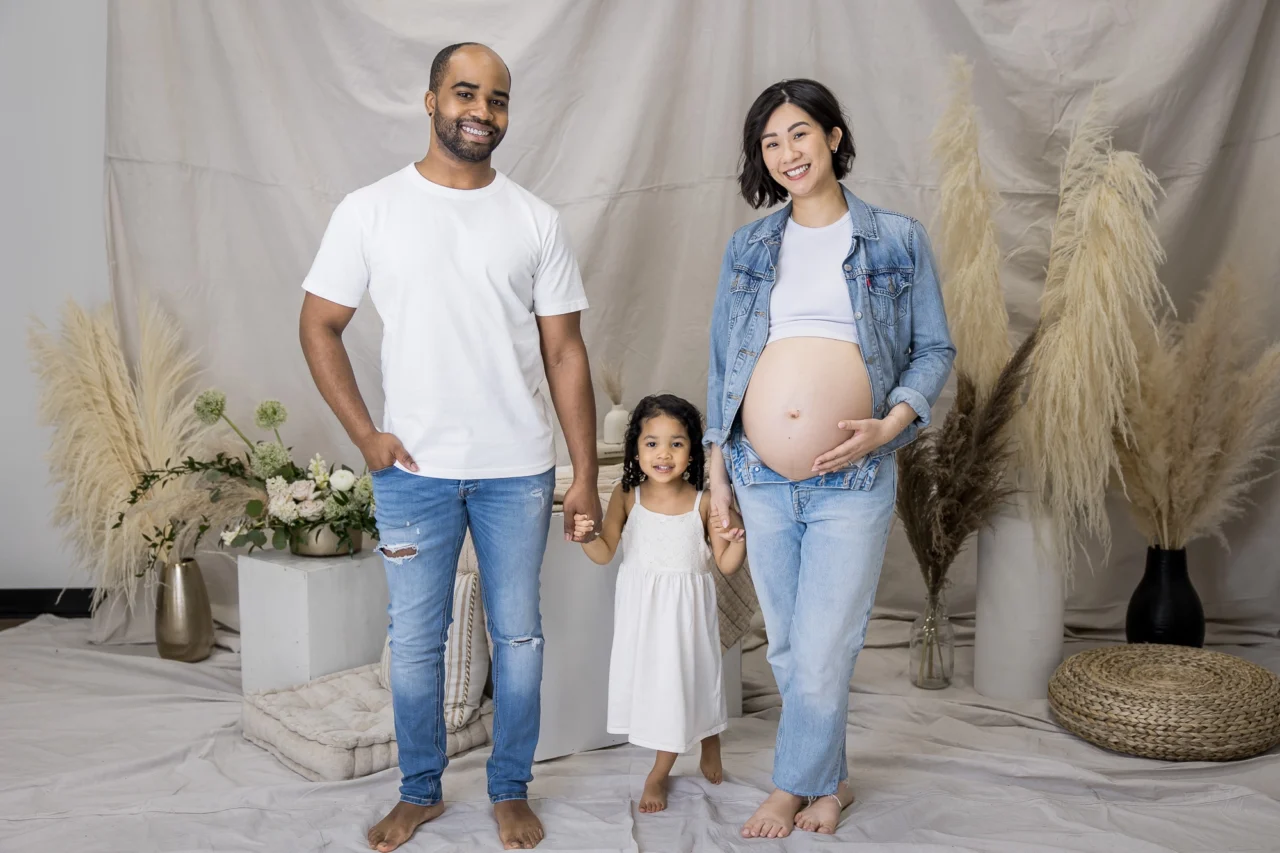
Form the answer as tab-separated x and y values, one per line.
422	522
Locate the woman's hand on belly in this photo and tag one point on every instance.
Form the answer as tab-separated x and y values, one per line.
868	434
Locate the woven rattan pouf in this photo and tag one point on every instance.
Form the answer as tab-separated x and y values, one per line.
1169	702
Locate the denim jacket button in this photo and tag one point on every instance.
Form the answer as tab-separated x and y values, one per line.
848	267
857	315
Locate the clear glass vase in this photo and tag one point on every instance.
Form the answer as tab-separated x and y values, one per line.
933	646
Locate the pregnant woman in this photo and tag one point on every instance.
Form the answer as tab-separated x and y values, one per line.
829	344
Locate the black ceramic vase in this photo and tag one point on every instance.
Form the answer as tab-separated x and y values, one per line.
1164	607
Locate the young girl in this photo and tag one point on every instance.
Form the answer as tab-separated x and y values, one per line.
665	687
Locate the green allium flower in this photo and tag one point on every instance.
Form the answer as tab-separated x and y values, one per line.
270	414
267	458
210	405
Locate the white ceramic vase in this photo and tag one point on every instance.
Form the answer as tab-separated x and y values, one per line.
615	425
1021	607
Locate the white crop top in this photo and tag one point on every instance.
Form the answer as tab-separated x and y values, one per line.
810	299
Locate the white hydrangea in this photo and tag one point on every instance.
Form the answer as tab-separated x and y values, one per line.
277	488
284	509
311	509
342	480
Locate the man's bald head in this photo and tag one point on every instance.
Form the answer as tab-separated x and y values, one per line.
440	65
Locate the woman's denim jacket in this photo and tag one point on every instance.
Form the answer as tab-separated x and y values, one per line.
898	312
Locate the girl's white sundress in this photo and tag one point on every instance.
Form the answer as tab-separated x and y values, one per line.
665	686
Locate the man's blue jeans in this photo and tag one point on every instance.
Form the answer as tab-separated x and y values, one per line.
422	522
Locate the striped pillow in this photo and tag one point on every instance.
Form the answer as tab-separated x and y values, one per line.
466	656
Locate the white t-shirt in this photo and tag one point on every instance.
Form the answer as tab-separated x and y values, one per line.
810	299
458	277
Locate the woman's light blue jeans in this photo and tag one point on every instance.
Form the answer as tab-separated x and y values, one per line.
815	547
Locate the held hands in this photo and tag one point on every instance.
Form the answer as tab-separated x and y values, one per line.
382	450
867	436
582	501
720	517
721	525
583	527
721	498
725	530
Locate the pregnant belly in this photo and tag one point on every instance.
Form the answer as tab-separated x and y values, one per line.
800	390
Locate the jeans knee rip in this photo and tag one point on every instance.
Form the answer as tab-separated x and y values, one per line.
398	553
520	642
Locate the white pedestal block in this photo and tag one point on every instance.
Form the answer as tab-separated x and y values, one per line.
577	626
304	617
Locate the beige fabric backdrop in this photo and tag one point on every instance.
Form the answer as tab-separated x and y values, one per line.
235	127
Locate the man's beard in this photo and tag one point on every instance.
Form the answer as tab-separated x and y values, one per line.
455	140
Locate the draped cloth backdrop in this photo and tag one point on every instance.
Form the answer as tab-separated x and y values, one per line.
235	127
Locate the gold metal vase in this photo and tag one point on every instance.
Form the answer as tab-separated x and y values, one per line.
184	619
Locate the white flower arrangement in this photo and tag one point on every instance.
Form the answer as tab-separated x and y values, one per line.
299	501
321	496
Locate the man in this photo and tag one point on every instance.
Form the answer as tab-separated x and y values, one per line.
480	296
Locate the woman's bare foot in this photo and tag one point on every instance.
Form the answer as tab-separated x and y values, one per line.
824	815
654	798
518	827
775	817
710	763
397	827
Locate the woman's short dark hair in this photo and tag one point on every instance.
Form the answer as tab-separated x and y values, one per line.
758	186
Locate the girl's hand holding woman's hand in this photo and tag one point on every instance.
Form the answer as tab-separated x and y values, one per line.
720	524
721	500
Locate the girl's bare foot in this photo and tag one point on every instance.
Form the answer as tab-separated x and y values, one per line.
775	817
518	827
710	763
399	824
654	798
823	815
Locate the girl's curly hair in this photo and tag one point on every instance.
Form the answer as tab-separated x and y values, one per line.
674	407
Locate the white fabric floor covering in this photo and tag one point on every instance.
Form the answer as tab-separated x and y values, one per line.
111	749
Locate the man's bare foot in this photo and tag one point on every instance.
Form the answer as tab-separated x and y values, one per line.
775	817
399	824
824	815
710	763
654	798
518	827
